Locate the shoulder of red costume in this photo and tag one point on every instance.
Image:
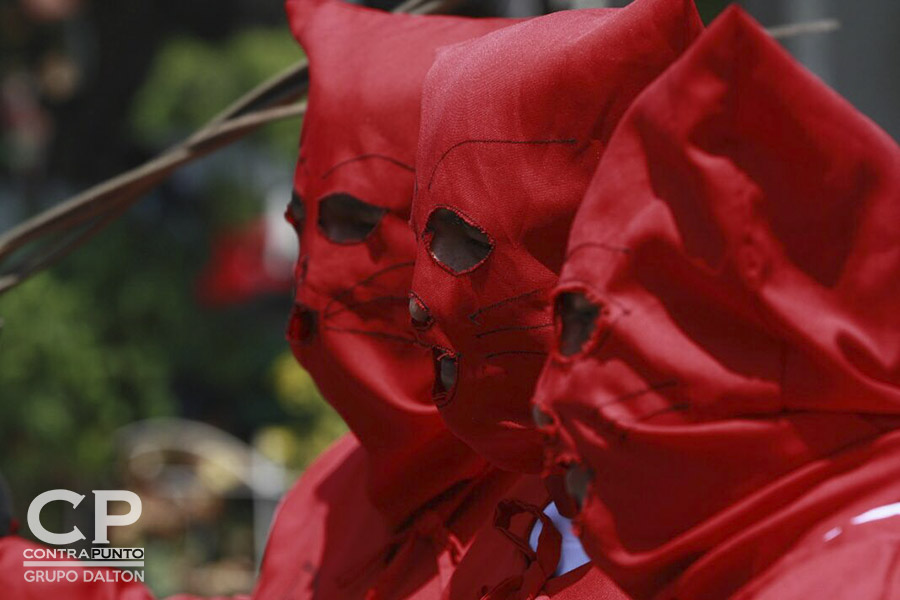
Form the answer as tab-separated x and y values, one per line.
337	471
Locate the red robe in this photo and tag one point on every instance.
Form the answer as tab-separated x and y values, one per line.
513	124
737	402
388	512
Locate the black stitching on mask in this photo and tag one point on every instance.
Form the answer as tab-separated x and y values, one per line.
391	160
516	142
474	316
366	280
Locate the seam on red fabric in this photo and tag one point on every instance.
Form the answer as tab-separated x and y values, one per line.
474	316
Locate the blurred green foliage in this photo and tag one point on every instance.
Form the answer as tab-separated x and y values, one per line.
67	384
115	333
192	80
313	424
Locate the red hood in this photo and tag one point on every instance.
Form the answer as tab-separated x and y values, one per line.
348	327
741	240
513	126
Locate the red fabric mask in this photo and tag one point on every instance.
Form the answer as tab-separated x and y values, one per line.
353	188
513	126
728	318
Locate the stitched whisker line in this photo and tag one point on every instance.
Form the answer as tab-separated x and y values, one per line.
474	316
630	395
515	142
367	280
391	160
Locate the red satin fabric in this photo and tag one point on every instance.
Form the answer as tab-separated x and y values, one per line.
513	126
739	396
392	519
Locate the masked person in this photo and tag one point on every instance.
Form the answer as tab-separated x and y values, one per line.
513	125
387	512
725	387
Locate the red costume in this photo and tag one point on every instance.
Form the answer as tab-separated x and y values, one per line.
513	124
386	513
732	406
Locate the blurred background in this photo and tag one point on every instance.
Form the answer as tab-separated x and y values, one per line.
153	359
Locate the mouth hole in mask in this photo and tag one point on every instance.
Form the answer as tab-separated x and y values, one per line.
302	324
576	318
578	480
296	212
345	219
446	372
455	244
419	315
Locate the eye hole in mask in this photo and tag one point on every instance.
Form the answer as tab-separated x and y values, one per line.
345	219
576	321
578	479
454	243
296	212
